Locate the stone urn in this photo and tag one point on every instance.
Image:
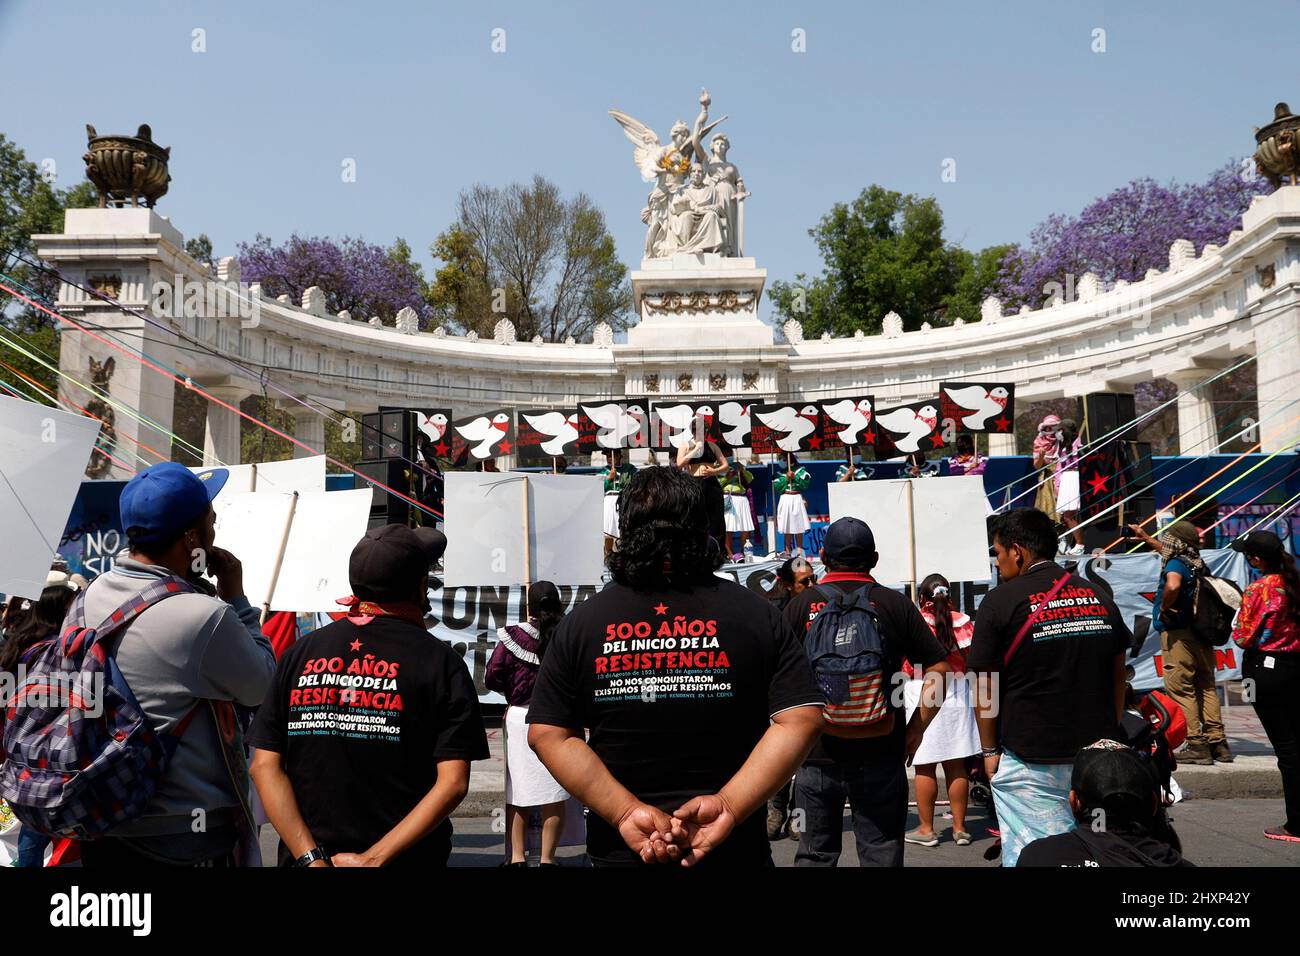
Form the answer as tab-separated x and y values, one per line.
127	167
1278	154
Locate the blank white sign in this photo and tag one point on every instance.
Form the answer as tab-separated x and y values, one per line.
302	475
950	525
485	529
43	455
326	527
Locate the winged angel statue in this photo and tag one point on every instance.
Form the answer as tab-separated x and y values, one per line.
695	204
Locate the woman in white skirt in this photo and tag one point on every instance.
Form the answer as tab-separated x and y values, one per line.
736	516
616	478
1068	496
791	510
512	672
952	736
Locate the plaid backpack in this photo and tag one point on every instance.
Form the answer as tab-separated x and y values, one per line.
80	756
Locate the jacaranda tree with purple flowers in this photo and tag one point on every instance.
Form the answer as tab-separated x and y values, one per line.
364	278
1125	233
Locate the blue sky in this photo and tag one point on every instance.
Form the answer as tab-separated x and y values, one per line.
261	122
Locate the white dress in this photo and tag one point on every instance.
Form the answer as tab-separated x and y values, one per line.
611	514
528	782
792	514
953	734
737	516
1067	495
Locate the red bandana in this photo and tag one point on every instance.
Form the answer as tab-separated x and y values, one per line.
362	612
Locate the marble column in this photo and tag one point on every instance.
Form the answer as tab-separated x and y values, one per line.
221	444
1002	444
1197	431
1277	377
308	428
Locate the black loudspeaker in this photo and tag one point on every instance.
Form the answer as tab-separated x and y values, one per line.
1105	413
387	508
372	436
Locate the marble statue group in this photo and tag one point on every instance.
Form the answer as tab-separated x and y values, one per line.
696	204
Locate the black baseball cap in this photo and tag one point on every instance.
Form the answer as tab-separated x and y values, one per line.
1108	775
390	562
849	541
1259	544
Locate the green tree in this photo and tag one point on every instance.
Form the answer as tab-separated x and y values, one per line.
30	204
885	252
527	253
199	248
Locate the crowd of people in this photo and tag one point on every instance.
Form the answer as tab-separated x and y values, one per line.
695	718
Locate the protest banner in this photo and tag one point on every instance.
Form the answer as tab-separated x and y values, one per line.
516	528
312	558
43	455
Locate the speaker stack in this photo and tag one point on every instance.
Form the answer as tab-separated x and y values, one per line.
388	443
1119	470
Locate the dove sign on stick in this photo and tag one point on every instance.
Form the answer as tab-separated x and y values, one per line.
546	433
979	406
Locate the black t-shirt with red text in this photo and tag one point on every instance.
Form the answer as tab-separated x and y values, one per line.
906	635
1058	692
361	715
676	687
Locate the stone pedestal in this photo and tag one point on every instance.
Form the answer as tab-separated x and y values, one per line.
694	300
1197	431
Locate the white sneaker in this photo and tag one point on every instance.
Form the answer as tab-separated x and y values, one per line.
1077	550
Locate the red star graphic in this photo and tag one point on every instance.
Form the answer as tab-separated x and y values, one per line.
937	441
355	645
1003	424
868	438
815	442
441	449
504	447
1098	483
661	608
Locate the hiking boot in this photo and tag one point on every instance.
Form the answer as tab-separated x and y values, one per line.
917	838
1281	833
775	823
1198	754
1220	752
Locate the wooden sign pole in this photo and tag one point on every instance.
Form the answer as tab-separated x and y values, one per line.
279	558
911	535
528	558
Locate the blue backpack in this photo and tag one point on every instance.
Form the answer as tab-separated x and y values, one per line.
80	755
849	657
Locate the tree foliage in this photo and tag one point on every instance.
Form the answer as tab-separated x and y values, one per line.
885	252
526	253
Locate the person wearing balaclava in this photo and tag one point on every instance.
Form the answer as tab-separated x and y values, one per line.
1189	664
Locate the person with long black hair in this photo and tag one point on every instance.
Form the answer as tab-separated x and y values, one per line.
34	622
1268	630
512	672
698	696
953	736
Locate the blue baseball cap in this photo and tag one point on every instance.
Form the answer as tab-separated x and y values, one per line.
849	541
167	498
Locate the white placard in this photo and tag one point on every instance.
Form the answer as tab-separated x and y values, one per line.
950	525
43	455
303	475
326	527
485	529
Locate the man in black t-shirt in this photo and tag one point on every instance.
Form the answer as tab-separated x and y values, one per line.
1062	688
698	697
365	739
869	770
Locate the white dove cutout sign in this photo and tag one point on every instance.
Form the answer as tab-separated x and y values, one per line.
43	455
781	429
922	525
546	434
618	424
979	406
909	428
509	529
734	422
479	437
848	422
675	424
